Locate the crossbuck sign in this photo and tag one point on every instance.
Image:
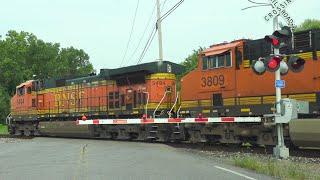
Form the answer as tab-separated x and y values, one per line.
280	9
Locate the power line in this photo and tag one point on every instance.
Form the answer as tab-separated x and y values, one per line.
151	37
144	33
171	10
164	2
146	47
253	2
134	20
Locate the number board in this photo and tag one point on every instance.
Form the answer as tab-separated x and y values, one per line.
211	81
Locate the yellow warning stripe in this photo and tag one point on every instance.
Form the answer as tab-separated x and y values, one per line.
249	100
229	101
205	102
161	76
304	97
252	100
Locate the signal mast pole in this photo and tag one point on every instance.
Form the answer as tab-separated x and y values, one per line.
280	151
159	31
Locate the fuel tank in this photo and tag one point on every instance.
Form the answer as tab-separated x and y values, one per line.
65	129
305	132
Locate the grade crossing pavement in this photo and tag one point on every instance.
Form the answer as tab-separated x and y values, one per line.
59	158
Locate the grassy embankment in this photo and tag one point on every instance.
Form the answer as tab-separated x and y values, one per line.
3	129
283	169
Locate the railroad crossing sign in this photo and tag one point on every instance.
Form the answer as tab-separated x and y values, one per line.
280	9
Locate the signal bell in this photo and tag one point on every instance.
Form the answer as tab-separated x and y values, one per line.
296	64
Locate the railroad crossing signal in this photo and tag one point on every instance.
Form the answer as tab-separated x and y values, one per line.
280	9
278	39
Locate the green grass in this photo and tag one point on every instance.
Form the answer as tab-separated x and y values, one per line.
3	129
276	168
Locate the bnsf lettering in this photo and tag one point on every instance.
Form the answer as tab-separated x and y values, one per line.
212	81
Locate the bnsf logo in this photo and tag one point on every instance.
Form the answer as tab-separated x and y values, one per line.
212	81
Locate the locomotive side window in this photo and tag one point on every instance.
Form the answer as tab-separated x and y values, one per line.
217	61
20	91
228	60
204	63
213	62
221	60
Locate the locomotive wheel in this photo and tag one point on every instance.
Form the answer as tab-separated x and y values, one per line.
27	132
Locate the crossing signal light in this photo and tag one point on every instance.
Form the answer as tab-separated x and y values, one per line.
296	64
275	41
273	63
284	69
258	66
279	37
285	32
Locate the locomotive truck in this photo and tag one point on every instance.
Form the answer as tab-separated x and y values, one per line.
222	99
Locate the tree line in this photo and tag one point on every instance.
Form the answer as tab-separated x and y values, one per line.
23	56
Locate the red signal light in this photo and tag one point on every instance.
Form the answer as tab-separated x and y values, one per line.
275	42
273	63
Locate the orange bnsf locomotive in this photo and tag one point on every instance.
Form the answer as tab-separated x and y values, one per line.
121	93
133	102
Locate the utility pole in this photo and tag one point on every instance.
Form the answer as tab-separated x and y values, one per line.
159	31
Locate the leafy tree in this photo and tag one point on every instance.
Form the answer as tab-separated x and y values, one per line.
4	104
191	61
23	55
308	24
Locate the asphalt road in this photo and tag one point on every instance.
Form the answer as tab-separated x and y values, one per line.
73	159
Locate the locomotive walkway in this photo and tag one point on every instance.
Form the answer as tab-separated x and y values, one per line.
57	158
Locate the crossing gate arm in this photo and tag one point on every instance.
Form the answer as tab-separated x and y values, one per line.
171	120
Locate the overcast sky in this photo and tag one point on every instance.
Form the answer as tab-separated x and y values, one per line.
102	27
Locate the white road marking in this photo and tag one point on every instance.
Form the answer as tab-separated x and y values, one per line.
234	172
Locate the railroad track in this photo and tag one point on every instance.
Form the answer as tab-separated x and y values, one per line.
218	148
12	136
232	149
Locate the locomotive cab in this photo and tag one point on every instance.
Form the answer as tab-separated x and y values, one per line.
23	103
212	80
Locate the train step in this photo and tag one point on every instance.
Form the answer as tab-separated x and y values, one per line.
151	137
